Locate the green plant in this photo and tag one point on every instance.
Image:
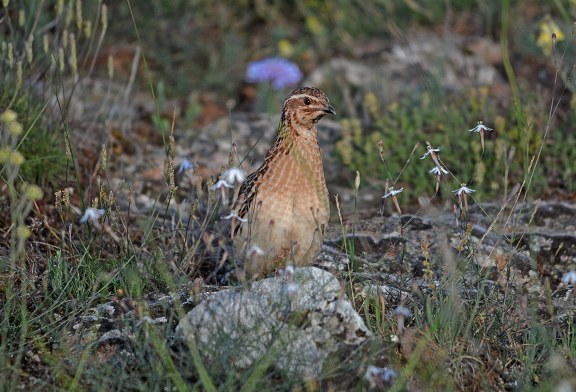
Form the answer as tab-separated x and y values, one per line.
43	49
392	144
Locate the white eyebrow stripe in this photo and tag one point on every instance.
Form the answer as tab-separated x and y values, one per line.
298	96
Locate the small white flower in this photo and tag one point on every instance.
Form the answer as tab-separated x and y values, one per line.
480	127
92	214
234	215
392	192
255	249
234	175
438	170
569	278
185	165
402	311
463	189
385	374
292	288
430	151
221	184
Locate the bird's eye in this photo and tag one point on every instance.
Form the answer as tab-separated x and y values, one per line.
307	101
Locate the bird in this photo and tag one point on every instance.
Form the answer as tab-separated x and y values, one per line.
283	207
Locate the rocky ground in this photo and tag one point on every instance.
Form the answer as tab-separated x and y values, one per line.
501	244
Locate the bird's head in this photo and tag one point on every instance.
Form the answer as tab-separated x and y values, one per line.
304	107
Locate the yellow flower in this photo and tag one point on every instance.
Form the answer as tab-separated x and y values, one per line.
23	232
16	158
314	25
285	48
8	116
5	153
547	28
34	192
15	128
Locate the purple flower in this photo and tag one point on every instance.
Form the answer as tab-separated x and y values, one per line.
280	72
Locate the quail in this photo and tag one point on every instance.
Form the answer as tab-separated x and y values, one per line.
283	207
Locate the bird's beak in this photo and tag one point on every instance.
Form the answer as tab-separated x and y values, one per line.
329	109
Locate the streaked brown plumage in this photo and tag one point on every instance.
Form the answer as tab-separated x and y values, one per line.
286	200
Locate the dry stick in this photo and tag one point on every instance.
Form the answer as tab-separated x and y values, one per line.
133	71
440	166
535	159
380	146
493	224
406	164
381	149
341	223
193	209
208	217
170	170
100	39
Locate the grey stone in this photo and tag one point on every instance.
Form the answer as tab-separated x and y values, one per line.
300	320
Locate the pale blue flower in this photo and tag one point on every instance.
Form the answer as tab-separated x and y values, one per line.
438	170
480	127
402	311
292	288
255	249
280	72
92	214
430	150
393	192
234	175
185	165
569	278
385	374
221	184
463	189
